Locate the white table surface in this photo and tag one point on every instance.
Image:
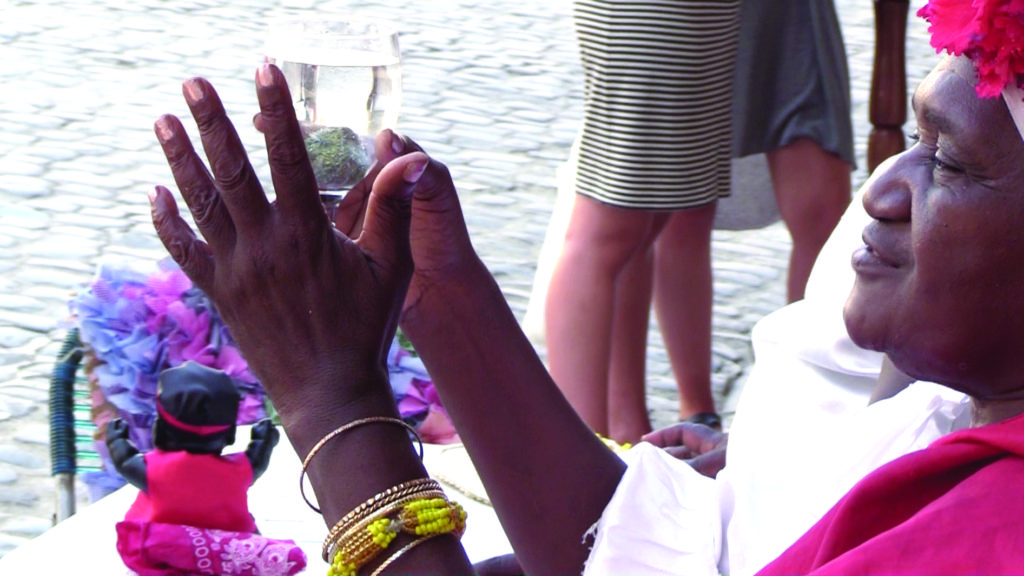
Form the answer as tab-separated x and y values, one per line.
86	542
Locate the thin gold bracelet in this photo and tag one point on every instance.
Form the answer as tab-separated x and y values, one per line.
402	551
341	430
380	499
339	533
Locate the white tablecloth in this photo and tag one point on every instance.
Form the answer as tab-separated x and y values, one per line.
85	543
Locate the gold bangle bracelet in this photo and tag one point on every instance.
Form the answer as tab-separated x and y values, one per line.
401	552
380	499
341	430
354	529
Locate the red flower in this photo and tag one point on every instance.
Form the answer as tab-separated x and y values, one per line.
989	32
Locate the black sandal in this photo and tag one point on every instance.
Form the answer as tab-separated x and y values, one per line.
710	419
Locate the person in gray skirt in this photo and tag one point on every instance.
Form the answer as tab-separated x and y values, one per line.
791	101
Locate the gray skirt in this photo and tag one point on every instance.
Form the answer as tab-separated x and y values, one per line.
792	79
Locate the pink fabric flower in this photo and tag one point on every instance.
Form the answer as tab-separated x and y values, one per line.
989	32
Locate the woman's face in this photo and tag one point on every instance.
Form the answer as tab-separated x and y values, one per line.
940	279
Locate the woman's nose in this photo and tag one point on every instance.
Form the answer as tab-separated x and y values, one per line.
888	193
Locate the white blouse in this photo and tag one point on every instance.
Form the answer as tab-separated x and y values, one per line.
803	435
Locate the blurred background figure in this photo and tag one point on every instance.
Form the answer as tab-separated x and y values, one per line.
791	102
654	152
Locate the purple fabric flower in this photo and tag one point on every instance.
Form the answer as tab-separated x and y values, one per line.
138	325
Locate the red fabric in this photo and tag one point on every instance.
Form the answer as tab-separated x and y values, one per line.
154	549
193	428
955	507
201	490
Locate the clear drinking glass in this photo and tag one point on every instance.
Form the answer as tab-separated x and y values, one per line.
345	78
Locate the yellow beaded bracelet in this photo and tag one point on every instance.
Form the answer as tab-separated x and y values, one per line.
420	517
356	531
379	500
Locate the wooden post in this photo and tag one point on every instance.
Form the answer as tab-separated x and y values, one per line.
888	100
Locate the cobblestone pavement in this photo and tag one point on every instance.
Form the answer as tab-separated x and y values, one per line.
492	88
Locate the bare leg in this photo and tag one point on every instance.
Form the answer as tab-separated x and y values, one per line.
627	372
683	301
812	188
599	242
627	379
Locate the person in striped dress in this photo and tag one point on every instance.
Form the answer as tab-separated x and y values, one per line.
655	153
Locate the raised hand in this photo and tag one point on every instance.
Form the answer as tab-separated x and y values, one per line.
442	251
441	248
124	455
262	439
278	272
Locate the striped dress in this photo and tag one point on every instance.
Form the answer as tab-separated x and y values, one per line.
657	109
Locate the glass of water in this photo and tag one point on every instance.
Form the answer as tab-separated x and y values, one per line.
345	78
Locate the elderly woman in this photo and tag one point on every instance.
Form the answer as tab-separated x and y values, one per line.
939	289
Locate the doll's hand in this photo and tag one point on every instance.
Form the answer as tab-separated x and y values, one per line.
117	429
264	437
265	431
124	455
700	446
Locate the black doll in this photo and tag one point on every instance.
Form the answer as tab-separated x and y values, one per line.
185	479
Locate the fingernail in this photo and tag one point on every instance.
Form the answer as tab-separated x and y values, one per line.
152	196
264	77
194	90
396	143
163	130
414	171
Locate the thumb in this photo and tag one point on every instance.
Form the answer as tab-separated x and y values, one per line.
385	234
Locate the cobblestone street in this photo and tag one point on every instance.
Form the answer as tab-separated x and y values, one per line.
493	89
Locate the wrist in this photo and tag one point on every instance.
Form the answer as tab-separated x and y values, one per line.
310	410
449	299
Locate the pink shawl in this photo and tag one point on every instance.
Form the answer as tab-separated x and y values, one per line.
956	507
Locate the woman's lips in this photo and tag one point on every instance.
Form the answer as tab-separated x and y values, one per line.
873	256
865	259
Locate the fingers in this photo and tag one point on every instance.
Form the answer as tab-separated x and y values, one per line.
191	254
693	437
680	452
436	181
195	183
665	437
240	190
294	182
709	464
348	216
385	235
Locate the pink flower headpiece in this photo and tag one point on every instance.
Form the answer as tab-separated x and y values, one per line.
991	34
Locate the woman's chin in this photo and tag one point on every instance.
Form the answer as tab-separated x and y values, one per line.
867	327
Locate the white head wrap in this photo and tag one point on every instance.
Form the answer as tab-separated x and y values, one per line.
1014	98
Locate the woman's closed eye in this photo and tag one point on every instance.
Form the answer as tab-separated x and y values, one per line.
940	164
945	166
